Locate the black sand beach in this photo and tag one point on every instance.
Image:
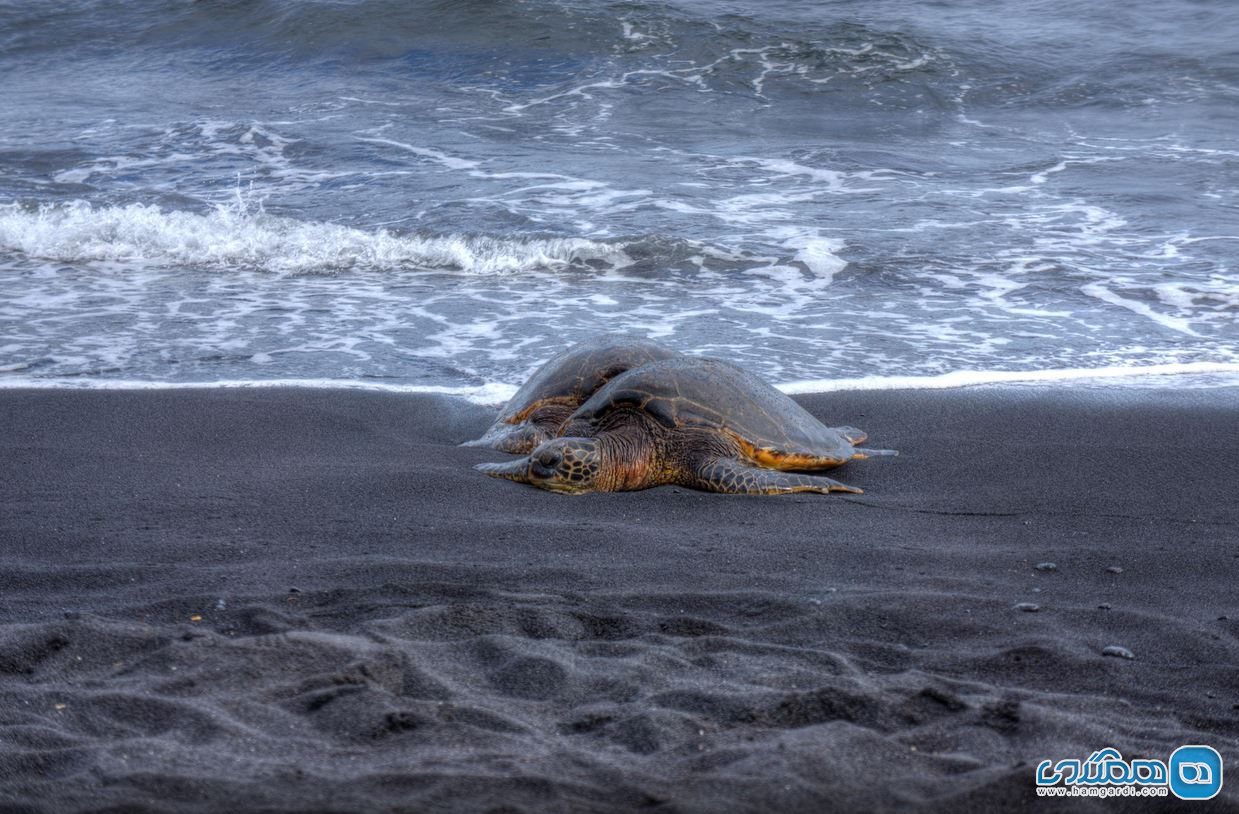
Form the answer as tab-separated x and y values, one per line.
223	600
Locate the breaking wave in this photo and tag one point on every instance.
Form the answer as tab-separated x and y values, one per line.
234	237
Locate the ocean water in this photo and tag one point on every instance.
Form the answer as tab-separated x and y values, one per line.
440	195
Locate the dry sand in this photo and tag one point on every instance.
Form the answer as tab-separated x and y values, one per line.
308	600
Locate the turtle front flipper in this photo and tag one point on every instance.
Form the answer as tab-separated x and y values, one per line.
735	477
520	439
517	470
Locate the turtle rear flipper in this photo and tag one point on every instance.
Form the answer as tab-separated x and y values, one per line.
853	435
730	476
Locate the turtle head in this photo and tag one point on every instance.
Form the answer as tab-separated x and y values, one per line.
565	465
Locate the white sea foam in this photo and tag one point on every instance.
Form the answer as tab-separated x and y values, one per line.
232	236
832	179
1106	294
760	65
492	393
969	378
450	161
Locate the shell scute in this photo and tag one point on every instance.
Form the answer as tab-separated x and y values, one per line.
574	375
538	409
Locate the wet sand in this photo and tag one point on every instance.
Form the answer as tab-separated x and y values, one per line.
224	600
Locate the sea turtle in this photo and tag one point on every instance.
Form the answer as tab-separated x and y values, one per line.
696	422
539	409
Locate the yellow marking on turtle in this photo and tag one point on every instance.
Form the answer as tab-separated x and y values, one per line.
774	459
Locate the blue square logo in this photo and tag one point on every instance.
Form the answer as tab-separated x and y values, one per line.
1195	772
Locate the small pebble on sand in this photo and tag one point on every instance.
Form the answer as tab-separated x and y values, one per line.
1115	569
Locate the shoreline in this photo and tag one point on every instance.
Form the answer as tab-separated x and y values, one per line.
286	598
1147	377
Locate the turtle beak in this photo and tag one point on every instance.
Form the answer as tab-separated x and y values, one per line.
517	470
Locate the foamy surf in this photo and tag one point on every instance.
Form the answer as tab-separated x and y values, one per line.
491	393
835	198
235	236
970	378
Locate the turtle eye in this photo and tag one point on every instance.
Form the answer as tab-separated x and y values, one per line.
549	458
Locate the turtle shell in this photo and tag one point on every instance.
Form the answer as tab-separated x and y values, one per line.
574	375
540	407
770	429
